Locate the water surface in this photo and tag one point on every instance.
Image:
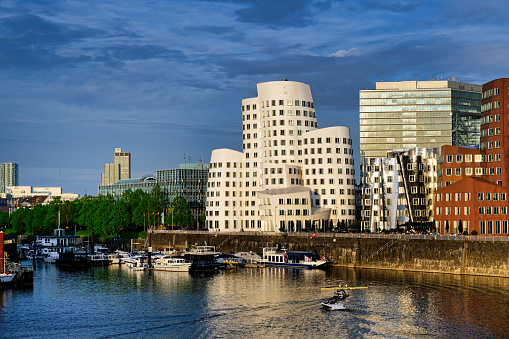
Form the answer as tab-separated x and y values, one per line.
253	303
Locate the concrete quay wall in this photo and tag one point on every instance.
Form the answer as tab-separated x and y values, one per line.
488	258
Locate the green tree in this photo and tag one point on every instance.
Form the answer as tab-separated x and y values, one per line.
182	215
203	220
66	213
39	215
51	218
18	222
4	219
120	218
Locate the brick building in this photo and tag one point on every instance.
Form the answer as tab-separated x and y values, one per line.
482	174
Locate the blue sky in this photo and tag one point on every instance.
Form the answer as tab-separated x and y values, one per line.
166	78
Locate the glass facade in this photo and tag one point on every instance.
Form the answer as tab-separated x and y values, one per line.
188	181
409	118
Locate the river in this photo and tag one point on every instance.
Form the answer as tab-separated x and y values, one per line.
116	302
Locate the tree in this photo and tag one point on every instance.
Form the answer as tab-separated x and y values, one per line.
203	220
182	215
4	218
19	220
39	216
66	213
120	218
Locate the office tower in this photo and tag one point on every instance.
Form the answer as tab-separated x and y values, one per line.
474	183
425	114
290	176
9	175
119	169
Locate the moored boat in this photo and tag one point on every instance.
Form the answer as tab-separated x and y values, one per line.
203	259
172	263
273	256
13	275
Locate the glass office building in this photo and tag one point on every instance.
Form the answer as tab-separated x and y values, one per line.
188	181
426	114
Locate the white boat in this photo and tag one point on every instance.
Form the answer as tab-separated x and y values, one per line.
333	305
273	256
114	259
172	264
250	259
98	259
137	263
52	257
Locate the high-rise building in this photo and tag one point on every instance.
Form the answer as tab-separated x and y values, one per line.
424	114
473	184
119	169
9	175
290	176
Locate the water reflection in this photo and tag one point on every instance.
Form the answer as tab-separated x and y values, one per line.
249	303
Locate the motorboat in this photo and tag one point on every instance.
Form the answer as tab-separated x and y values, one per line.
334	303
52	257
98	259
273	256
250	259
137	263
172	263
203	259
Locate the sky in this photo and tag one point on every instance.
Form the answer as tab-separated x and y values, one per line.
164	80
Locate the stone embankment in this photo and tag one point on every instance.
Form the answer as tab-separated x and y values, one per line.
456	255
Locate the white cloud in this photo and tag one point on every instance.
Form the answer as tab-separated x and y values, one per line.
344	53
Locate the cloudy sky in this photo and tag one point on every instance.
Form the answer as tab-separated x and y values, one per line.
165	79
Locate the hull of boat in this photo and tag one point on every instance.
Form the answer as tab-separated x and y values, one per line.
173	268
334	307
307	265
23	279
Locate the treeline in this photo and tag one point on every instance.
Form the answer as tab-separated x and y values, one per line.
104	215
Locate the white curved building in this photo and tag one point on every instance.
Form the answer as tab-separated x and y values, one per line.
290	176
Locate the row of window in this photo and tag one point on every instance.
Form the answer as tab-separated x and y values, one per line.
281	102
320	161
481	196
459	158
400	213
488	119
491	145
489	93
488	210
469	171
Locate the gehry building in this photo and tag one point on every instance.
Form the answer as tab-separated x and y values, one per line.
290	175
398	191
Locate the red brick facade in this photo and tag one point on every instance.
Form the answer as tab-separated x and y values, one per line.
472	204
482	175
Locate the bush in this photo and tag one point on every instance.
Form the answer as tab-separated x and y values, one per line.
465	232
474	232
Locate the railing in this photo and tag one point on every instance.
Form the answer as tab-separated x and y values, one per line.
355	235
380	250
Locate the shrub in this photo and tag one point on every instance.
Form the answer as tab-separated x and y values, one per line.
474	232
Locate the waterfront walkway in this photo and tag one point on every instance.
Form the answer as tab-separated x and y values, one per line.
355	235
